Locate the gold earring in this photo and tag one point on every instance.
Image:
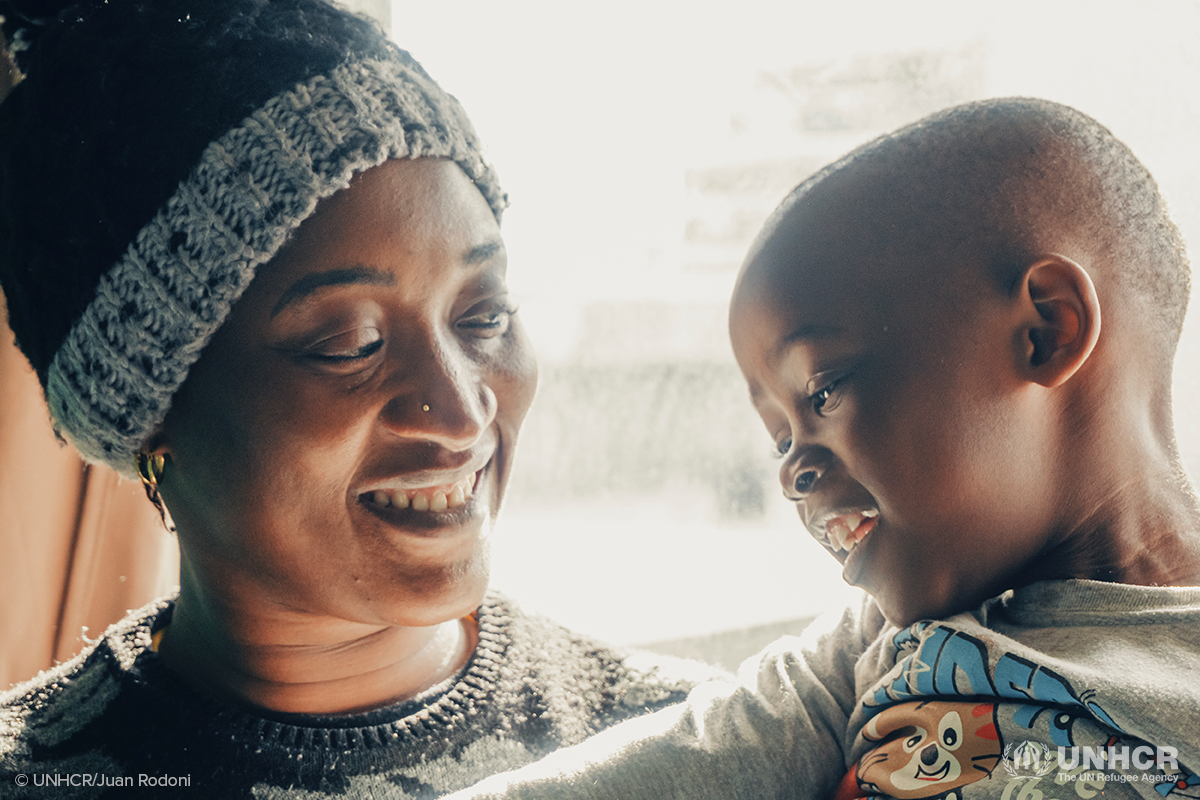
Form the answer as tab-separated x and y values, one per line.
425	407
150	470
150	467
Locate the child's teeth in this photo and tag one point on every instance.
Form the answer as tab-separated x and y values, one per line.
862	528
400	500
456	498
438	502
380	498
846	531
420	502
837	532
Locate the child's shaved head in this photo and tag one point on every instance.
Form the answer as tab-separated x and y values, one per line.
1006	180
960	338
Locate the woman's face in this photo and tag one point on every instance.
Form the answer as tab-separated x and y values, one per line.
343	443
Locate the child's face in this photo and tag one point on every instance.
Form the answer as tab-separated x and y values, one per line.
911	443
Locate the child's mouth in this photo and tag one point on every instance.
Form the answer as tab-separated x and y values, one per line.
844	531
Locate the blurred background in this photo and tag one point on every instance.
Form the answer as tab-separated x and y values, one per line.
643	143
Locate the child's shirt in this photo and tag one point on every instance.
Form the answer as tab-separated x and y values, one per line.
1060	690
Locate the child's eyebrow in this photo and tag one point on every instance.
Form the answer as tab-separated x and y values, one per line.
812	331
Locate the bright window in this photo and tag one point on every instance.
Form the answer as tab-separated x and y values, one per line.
642	144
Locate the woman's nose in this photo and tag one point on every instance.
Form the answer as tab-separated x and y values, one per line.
800	474
447	400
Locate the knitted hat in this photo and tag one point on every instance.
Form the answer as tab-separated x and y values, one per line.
157	153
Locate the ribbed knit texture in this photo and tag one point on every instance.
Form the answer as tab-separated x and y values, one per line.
530	688
111	382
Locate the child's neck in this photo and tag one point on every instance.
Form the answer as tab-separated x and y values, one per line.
1140	526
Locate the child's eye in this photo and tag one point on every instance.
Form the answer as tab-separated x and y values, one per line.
490	323
782	447
826	398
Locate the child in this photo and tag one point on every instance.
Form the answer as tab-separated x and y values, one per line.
960	339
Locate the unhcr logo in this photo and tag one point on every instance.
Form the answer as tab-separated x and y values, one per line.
1033	760
1028	760
1143	758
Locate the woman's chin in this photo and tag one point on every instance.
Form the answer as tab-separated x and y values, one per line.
436	595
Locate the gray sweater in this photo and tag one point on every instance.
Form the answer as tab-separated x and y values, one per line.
1062	690
115	722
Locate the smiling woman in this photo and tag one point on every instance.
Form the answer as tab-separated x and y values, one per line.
283	307
327	365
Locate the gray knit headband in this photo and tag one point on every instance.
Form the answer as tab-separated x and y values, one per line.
112	381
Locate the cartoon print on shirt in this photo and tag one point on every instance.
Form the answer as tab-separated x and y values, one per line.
929	749
943	661
1185	783
915	707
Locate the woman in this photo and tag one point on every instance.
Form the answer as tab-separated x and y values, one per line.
253	254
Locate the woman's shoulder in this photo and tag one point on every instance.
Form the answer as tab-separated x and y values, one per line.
59	702
530	687
580	672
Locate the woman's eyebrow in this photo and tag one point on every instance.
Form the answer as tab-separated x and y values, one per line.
334	277
361	274
482	252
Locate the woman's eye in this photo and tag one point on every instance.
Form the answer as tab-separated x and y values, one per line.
347	347
490	323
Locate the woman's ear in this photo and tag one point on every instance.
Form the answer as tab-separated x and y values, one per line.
156	451
1062	319
156	442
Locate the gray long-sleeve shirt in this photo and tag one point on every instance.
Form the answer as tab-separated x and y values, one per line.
1060	690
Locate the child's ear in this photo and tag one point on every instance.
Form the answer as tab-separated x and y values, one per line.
1062	319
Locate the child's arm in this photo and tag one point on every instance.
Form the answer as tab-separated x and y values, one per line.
776	732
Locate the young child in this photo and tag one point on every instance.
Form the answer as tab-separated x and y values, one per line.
960	339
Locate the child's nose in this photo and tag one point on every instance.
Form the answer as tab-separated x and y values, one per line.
800	476
805	480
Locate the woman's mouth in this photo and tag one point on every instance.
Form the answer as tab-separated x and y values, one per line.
425	498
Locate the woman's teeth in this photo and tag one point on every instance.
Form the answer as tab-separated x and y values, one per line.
425	499
846	531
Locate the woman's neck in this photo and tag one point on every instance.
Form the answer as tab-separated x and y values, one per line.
288	661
